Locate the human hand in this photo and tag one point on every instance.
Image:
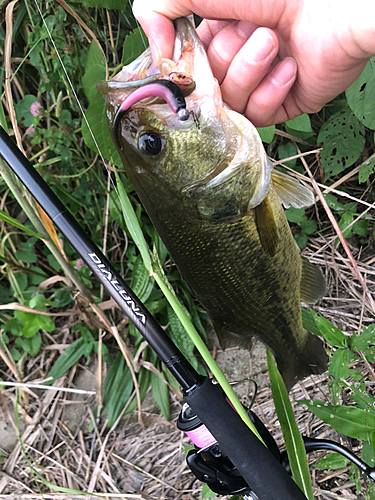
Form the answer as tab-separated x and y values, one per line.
274	60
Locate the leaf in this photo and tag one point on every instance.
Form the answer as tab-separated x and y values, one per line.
3	121
292	436
141	283
364	340
343	138
68	358
308	321
339	364
181	337
360	95
308	226
134	45
267	133
32	323
160	393
23	113
286	151
295	214
345	221
29	345
118	387
331	461
207	492
103	4
301	123
366	170
363	399
349	421
97	119
332	335
95	71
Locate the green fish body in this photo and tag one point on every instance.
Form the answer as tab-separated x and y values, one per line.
216	202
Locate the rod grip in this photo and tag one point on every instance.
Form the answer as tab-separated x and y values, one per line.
258	466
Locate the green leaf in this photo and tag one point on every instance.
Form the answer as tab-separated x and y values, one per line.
370	355
144	383
32	323
97	119
343	138
118	387
207	492
308	321
339	364
160	393
308	226
349	421
361	227
360	95
292	436
295	214
68	358
134	45
104	4
364	340
23	113
14	222
332	335
301	123
25	256
132	224
363	399
141	283
29	345
267	133
3	121
345	221
366	170
331	461
95	71
286	151
180	337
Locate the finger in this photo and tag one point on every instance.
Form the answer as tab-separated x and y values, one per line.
155	16
248	68
226	44
208	29
158	27
265	106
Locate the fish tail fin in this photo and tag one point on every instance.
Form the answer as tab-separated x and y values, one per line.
312	360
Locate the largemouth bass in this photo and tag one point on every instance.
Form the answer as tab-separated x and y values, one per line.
203	176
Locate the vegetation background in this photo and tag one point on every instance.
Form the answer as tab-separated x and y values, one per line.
58	326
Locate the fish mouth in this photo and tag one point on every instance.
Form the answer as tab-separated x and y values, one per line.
188	68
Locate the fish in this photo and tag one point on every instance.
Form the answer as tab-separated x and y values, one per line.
212	193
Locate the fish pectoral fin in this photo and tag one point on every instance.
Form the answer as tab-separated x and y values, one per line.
313	284
291	191
266	226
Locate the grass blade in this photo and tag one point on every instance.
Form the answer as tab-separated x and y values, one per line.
292	437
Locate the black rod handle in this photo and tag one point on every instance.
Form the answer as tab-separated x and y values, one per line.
257	464
103	270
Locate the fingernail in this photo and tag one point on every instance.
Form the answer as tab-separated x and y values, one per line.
244	29
261	44
284	72
155	52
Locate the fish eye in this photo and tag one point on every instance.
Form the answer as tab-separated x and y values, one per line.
150	143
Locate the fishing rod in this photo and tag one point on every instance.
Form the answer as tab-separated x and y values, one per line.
227	455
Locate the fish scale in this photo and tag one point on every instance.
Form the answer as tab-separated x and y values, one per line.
216	202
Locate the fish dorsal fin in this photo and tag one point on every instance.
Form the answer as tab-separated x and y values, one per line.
313	285
292	192
266	226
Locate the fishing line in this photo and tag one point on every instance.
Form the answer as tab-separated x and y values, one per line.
79	104
139	26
